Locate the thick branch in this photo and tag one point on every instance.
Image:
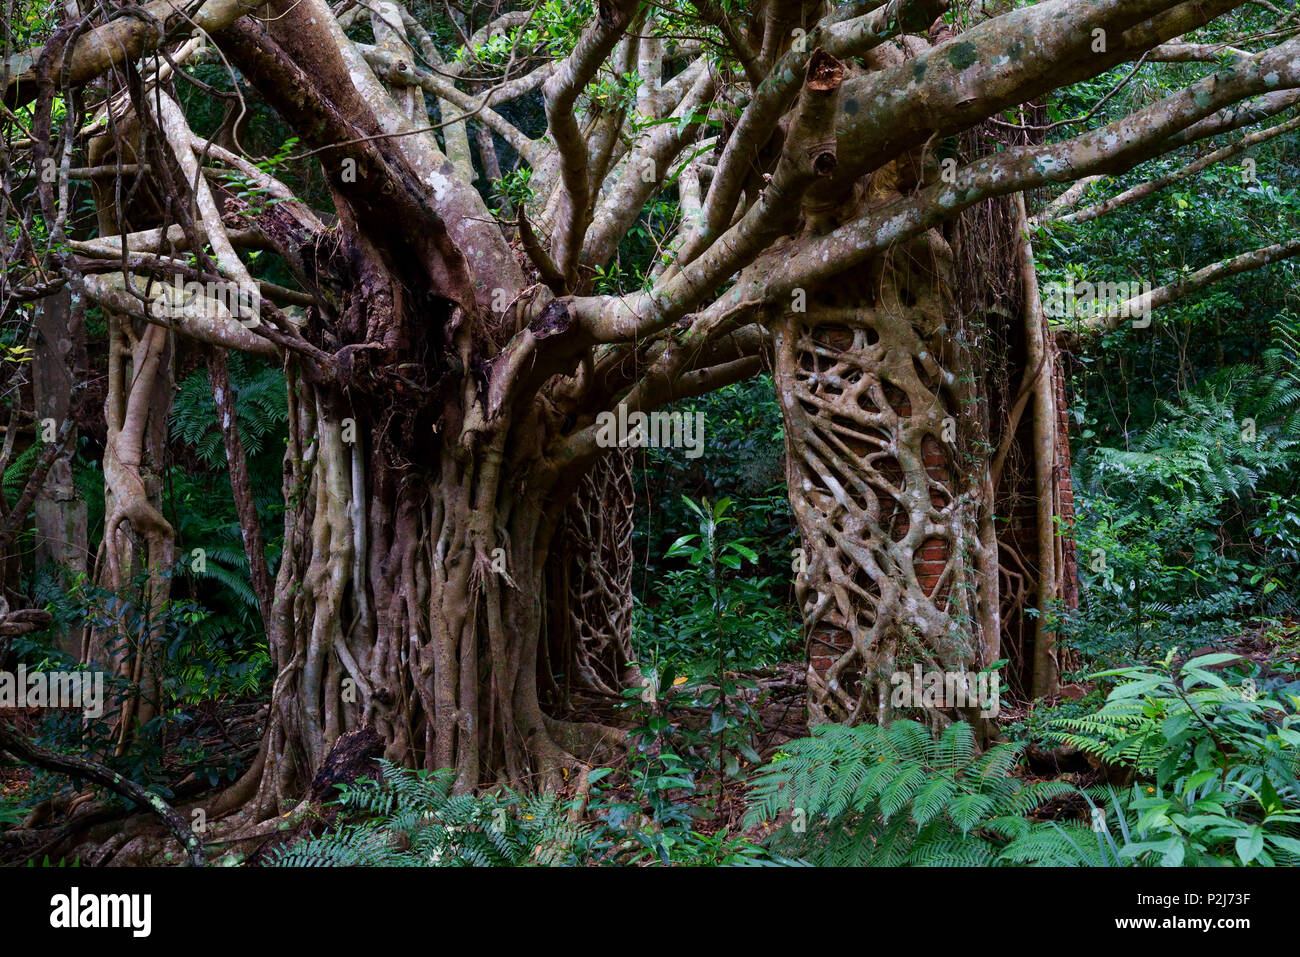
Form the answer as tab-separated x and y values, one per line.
562	90
128	37
1110	149
998	64
395	69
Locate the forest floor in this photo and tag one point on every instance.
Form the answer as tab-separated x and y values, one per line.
781	706
229	734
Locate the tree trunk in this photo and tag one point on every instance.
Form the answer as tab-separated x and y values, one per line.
888	477
410	600
138	548
61	533
926	498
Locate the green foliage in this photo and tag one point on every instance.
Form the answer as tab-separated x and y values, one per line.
412	819
1196	521
732	721
674	612
895	795
707	612
744	461
702	723
31	24
642	247
697	714
11	812
1181	827
657	822
226	653
19	470
512	191
662	777
201	662
195	668
554	28
257	197
260	132
1216	758
1216	443
260	410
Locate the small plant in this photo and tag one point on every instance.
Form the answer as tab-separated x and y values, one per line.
732	720
660	825
513	191
10	813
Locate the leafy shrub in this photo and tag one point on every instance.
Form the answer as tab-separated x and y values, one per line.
1216	759
196	666
745	445
658	823
706	612
1194	524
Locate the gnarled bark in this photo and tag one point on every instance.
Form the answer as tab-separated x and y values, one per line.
589	641
886	470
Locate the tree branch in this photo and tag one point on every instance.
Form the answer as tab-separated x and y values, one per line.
1164	295
561	92
1144	190
24	750
122	39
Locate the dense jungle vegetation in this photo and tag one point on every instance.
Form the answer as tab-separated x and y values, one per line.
366	587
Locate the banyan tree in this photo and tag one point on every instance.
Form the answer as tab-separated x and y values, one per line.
856	188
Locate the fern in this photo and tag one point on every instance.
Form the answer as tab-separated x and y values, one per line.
1165	723
19	470
1216	761
411	819
260	409
1199	444
894	795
